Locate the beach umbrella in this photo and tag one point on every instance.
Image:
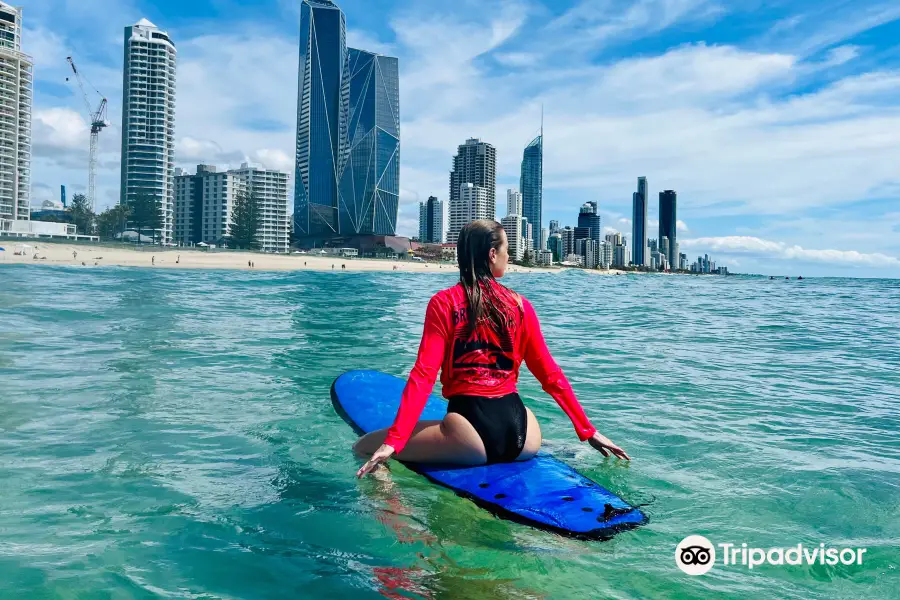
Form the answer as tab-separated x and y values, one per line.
2	249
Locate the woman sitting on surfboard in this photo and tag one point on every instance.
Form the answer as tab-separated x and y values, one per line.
477	334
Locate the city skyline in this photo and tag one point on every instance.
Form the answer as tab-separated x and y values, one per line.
809	223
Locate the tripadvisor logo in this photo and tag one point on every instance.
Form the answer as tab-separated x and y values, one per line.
696	555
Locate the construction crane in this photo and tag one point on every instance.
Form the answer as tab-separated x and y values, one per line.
98	124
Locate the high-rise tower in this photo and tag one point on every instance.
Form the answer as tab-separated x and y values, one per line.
148	121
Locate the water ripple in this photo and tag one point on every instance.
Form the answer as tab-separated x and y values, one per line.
170	434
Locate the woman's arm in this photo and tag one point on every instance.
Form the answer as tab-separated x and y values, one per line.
421	378
553	380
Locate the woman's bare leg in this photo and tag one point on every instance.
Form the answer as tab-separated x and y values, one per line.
452	440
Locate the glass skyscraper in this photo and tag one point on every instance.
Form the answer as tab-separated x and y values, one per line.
347	178
532	185
668	225
639	256
590	223
370	181
322	118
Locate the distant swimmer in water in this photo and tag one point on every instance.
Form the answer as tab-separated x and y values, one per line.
772	278
800	278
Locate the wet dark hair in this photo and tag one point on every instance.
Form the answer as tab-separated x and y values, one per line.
473	249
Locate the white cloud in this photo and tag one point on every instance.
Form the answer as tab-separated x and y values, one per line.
765	248
271	158
60	128
190	151
840	55
593	24
681	226
516	59
837	23
364	41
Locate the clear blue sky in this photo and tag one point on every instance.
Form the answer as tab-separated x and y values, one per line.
777	122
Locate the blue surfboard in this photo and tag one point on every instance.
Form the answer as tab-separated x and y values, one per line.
542	492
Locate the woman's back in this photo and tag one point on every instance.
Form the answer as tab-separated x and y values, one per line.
485	361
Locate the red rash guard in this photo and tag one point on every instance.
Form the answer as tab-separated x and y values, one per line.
486	364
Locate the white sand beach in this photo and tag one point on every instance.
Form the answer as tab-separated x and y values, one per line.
189	258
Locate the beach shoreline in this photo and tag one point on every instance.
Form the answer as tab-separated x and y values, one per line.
95	256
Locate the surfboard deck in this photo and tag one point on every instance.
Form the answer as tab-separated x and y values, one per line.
542	492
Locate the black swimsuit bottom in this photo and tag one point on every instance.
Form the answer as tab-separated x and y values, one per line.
502	423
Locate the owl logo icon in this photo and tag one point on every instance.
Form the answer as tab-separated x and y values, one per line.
695	555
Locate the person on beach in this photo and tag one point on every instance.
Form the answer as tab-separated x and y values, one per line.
477	334
152	260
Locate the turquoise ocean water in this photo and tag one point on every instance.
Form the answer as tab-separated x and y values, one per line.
169	434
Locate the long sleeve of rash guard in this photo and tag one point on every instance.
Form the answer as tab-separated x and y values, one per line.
554	382
421	378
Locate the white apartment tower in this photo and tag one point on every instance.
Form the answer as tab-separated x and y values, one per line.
270	189
512	225
148	120
513	203
473	202
16	92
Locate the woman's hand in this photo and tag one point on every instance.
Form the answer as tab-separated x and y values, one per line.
381	455
604	445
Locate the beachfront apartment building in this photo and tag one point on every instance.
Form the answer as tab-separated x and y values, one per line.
16	94
513	203
431	221
270	190
476	163
473	202
512	225
589	250
204	205
148	121
555	246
